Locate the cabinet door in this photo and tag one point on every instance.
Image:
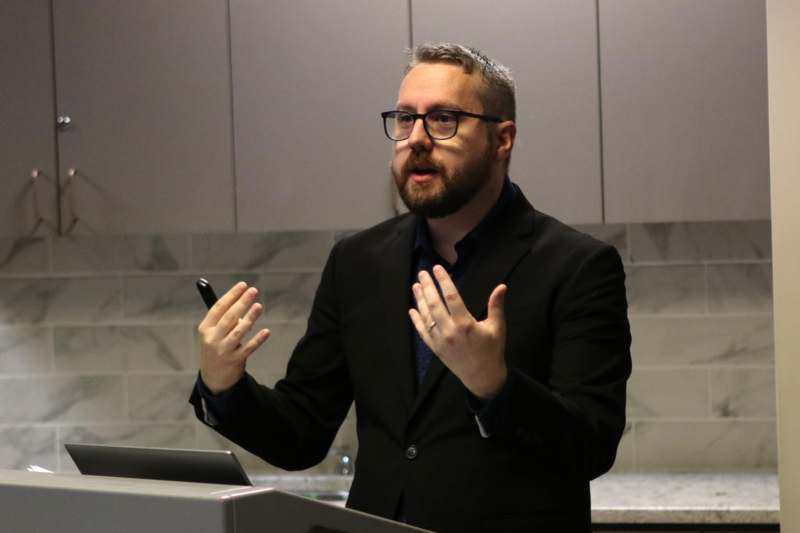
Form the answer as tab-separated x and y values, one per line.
147	86
551	48
27	120
310	80
684	95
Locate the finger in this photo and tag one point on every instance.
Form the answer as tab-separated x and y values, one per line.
233	315
422	305
253	344
495	308
222	305
436	308
234	337
452	297
421	327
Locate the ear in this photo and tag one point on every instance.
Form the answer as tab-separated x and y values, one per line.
506	133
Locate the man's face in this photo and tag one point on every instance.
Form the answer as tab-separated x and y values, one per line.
436	178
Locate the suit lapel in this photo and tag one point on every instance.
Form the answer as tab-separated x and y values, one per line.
497	256
395	275
495	259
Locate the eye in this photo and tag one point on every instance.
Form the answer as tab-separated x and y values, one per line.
443	117
404	118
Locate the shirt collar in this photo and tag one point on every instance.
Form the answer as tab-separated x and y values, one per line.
422	239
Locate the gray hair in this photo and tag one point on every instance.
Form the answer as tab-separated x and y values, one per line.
498	97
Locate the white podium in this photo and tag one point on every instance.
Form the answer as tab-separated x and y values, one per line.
72	503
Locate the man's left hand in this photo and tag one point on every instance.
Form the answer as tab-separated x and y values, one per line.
472	350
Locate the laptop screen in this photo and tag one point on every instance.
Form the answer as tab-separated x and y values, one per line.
201	466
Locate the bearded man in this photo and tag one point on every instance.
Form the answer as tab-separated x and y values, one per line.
485	344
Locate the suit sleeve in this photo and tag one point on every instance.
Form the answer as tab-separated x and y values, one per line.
293	425
577	419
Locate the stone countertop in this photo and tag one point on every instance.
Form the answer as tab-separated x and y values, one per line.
709	498
304	484
651	498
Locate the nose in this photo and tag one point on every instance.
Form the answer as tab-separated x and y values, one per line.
419	139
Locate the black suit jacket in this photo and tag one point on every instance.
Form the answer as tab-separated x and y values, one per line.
568	344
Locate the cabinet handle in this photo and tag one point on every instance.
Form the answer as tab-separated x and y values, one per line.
72	173
35	174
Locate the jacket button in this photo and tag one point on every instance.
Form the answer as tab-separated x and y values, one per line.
411	452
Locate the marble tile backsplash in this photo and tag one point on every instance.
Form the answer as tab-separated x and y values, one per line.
98	340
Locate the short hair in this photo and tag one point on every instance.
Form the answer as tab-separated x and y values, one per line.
497	97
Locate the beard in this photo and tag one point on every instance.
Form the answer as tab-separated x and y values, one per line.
448	193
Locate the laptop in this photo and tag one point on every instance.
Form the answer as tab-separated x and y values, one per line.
201	466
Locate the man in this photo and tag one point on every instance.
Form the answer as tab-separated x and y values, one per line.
485	344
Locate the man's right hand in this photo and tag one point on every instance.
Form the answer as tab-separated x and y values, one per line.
222	356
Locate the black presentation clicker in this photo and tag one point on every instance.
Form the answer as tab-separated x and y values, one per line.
207	292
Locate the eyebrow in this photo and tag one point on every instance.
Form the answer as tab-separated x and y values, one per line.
437	105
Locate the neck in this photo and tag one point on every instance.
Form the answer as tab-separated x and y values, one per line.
447	231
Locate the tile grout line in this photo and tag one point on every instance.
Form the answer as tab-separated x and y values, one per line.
121	282
58	435
51	334
126	399
710	392
49	247
695	262
706	289
190	244
628	242
703	420
100	424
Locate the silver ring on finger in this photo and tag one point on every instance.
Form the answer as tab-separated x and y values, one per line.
431	326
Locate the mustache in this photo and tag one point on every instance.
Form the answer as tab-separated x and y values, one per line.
417	163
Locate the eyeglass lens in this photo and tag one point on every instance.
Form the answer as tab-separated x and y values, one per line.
439	124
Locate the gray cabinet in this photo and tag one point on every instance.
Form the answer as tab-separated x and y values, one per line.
309	82
207	115
26	119
684	96
147	87
551	48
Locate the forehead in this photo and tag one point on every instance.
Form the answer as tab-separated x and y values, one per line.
430	85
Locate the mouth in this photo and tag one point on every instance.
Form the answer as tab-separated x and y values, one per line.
422	174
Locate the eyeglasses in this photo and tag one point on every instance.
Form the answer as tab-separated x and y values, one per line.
440	124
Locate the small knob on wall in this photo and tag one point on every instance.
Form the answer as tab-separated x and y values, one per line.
63	121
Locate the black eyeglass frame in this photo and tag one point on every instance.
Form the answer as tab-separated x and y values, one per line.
458	114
